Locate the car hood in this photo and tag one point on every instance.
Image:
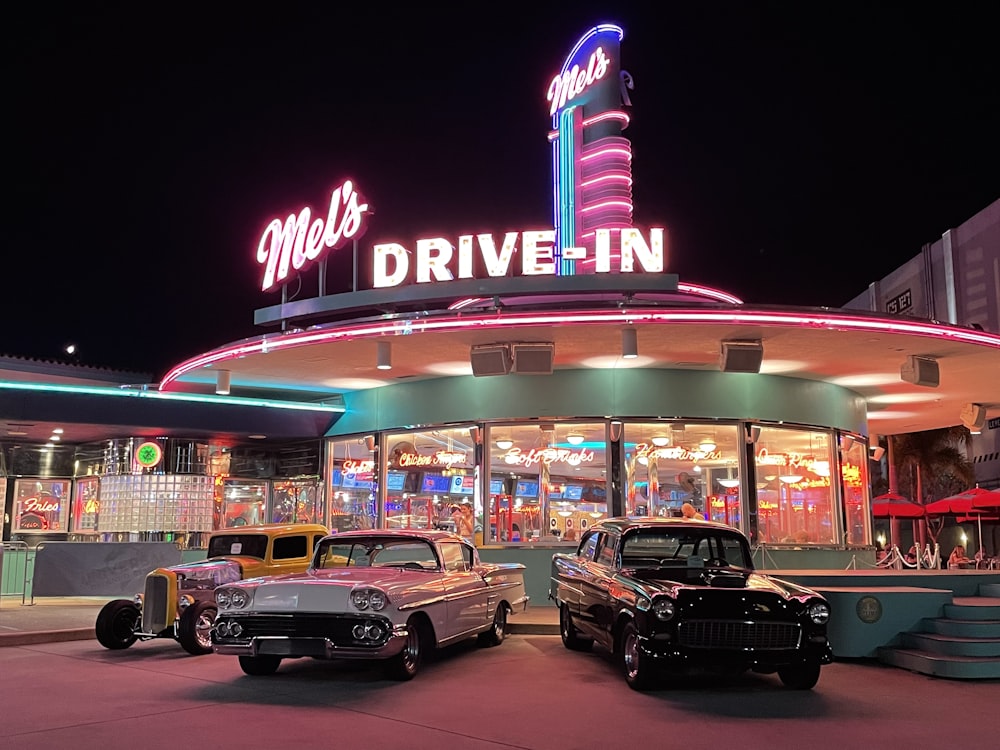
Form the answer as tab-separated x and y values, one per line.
670	579
329	590
208	573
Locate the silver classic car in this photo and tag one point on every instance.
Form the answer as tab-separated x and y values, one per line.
680	593
374	594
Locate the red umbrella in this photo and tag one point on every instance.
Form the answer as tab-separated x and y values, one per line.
964	503
986	499
891	505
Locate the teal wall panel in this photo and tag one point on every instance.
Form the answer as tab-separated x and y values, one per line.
626	393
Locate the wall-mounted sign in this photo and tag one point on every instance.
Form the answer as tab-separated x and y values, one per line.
869	609
148	454
900	303
439	458
300	239
674	453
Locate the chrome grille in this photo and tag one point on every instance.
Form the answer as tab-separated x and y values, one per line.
337	628
155	617
737	635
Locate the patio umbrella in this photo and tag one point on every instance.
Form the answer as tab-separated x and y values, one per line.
891	505
962	504
986	499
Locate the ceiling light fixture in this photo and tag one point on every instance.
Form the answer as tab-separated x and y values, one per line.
575	438
383	357
223	382
790	478
630	343
504	444
706	446
729	483
660	440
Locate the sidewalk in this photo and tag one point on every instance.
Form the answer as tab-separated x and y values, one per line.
60	618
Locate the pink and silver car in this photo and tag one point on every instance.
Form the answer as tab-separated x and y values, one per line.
389	595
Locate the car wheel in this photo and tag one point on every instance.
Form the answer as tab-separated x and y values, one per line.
194	631
498	630
260	666
406	664
802	676
567	631
116	624
638	671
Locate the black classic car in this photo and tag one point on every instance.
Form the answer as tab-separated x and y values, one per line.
673	594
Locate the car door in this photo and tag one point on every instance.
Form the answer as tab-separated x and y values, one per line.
596	602
569	572
465	590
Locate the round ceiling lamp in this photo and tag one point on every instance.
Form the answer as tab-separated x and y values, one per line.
504	444
575	438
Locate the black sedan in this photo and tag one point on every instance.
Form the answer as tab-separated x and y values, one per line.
677	593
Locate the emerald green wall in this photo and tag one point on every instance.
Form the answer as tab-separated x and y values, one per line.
628	393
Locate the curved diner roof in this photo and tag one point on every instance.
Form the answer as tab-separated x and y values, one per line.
329	343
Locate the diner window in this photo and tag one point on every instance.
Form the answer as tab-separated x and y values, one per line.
351	483
668	465
431	481
857	497
547	481
796	499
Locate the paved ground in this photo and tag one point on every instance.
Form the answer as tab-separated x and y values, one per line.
529	693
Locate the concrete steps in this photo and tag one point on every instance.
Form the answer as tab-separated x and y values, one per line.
963	644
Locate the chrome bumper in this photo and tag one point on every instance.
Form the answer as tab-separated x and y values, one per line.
320	648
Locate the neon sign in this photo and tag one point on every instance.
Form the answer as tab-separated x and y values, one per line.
358	467
547	456
299	239
571	83
39	505
674	453
436	257
440	458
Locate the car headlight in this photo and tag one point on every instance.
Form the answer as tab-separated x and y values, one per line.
378	600
183	602
819	613
664	608
360	598
240	598
223	597
137	600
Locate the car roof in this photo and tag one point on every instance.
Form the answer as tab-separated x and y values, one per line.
624	523
430	535
274	528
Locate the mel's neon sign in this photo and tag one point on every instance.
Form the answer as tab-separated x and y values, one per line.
566	86
299	239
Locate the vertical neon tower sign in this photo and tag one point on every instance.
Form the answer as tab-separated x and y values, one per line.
591	160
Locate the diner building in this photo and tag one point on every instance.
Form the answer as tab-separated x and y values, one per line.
517	386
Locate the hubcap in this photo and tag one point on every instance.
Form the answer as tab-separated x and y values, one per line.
412	649
630	649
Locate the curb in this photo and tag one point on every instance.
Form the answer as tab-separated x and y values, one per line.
45	636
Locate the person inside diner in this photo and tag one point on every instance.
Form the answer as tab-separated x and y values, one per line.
958	558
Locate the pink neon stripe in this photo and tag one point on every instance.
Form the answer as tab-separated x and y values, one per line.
511	320
607	178
627	205
609	115
707	291
613	150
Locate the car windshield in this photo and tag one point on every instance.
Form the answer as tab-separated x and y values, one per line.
251	545
375	552
684	546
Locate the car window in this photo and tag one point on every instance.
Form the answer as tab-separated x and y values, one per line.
290	547
454	556
251	545
589	545
338	552
683	546
606	549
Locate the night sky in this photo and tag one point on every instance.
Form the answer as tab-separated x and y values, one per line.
796	152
